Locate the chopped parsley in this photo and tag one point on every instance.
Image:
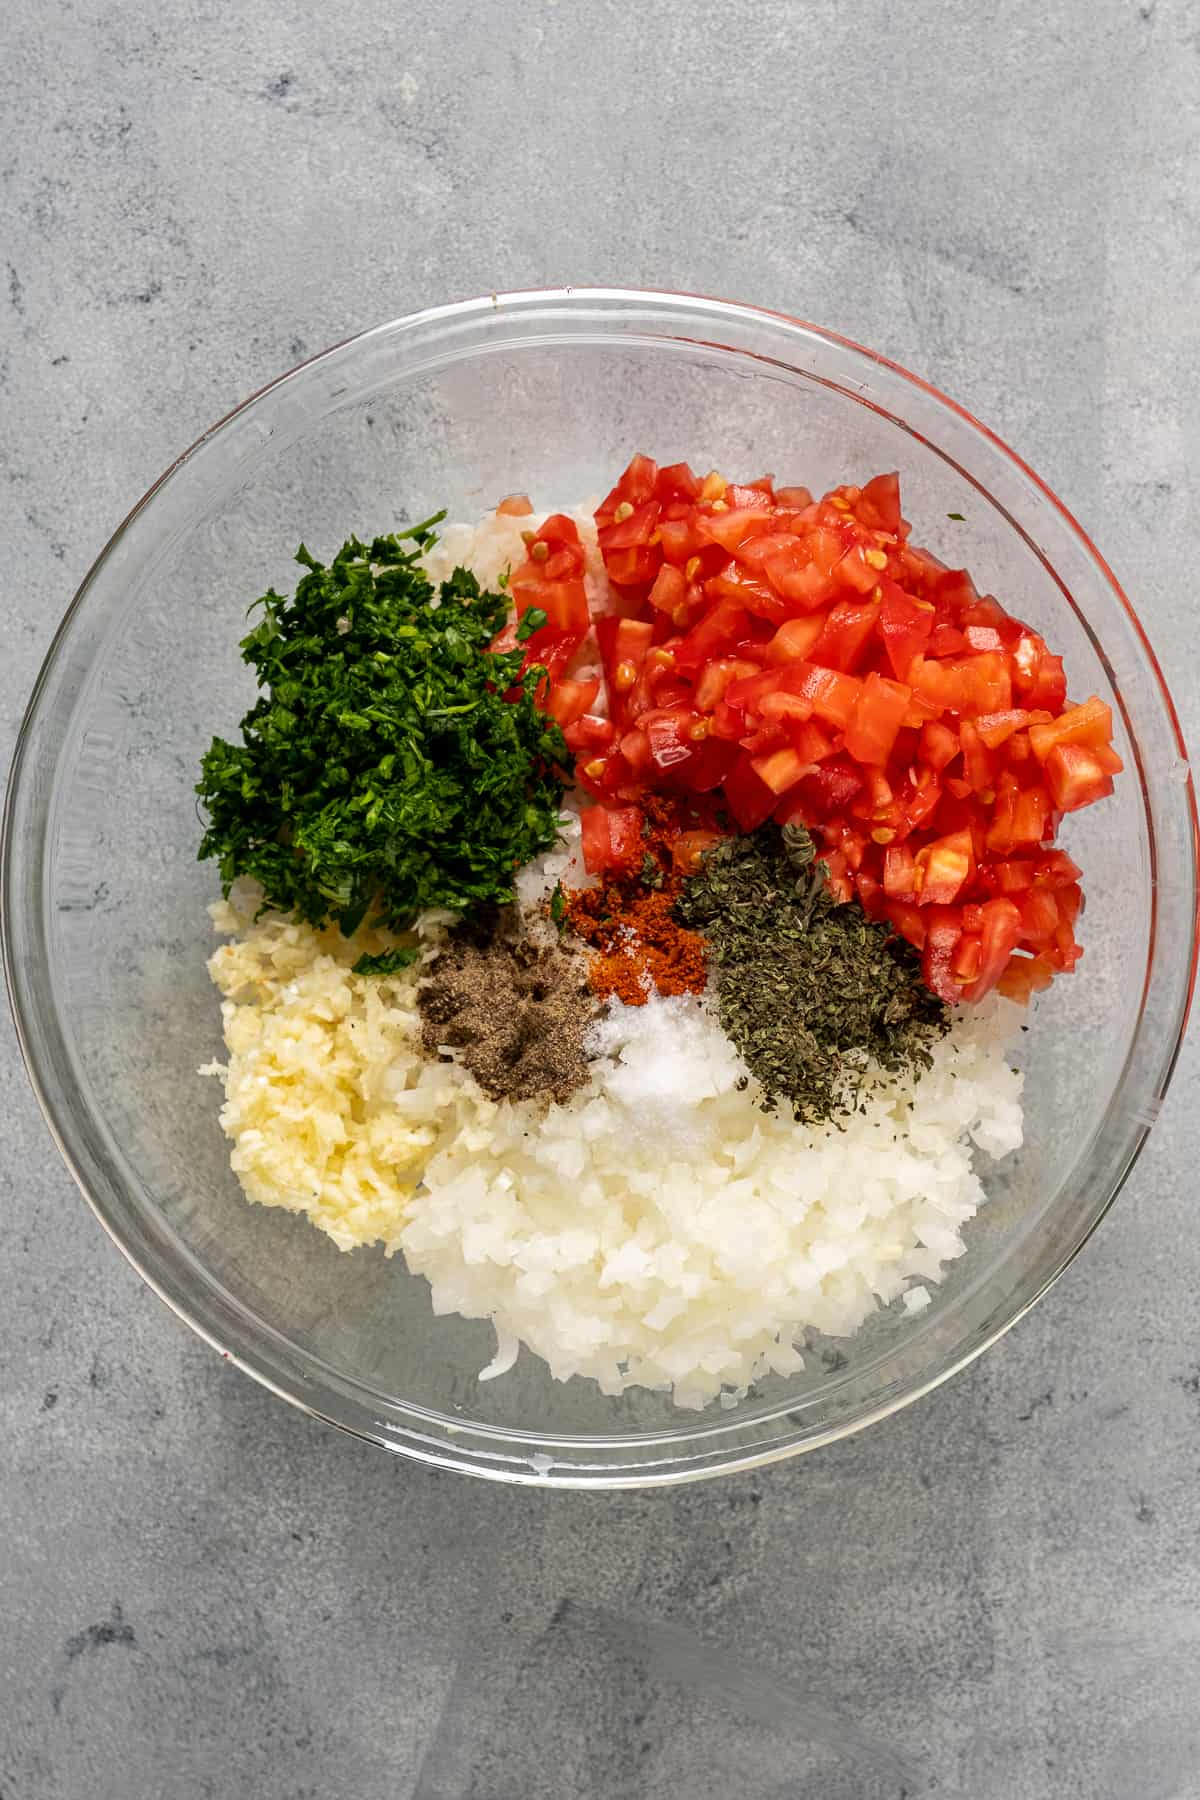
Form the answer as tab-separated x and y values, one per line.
388	962
392	762
531	621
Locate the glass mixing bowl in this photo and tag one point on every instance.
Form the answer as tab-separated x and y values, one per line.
106	932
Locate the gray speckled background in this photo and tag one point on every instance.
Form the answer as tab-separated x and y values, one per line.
995	1594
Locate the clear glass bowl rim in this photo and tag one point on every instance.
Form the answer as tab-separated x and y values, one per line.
685	1453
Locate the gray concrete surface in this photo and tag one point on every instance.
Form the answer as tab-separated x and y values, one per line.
995	1594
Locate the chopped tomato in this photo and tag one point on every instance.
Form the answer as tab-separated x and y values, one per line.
669	735
997	728
804	584
678	539
751	591
589	734
780	707
515	506
1000	933
939	684
627	525
977	759
870	893
908	919
879	503
899	872
811	739
955	592
946	640
846	634
781	770
853	570
716	678
632	531
801	659
988	682
729	529
728	721
750	493
1076	777
769	736
919	807
569	700
983	637
794	639
943	868
757	550
879	711
905	625
624	647
838	880
939	745
750	799
634	488
547	648
714	759
1021	816
635	749
943	929
677	483
829	789
833	695
1024	977
718	633
669	591
634	567
1089	724
1036	675
612	838
1055	869
560	529
1040	915
551	577
1013	876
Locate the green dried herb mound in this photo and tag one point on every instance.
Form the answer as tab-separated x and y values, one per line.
807	989
382	770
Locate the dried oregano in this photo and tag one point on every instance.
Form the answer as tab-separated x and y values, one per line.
809	990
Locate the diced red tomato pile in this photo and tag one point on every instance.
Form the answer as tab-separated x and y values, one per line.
798	659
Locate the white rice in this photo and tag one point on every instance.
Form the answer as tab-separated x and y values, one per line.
658	1229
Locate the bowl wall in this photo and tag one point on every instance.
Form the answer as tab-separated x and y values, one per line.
107	932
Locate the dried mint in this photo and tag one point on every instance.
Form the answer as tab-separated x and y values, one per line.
807	988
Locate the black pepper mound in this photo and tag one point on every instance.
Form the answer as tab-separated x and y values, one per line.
808	989
516	1011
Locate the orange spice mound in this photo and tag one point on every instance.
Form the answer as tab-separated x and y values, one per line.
638	946
638	949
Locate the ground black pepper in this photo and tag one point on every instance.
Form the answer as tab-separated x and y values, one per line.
516	1010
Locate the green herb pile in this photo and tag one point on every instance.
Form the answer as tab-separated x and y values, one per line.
383	770
807	989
